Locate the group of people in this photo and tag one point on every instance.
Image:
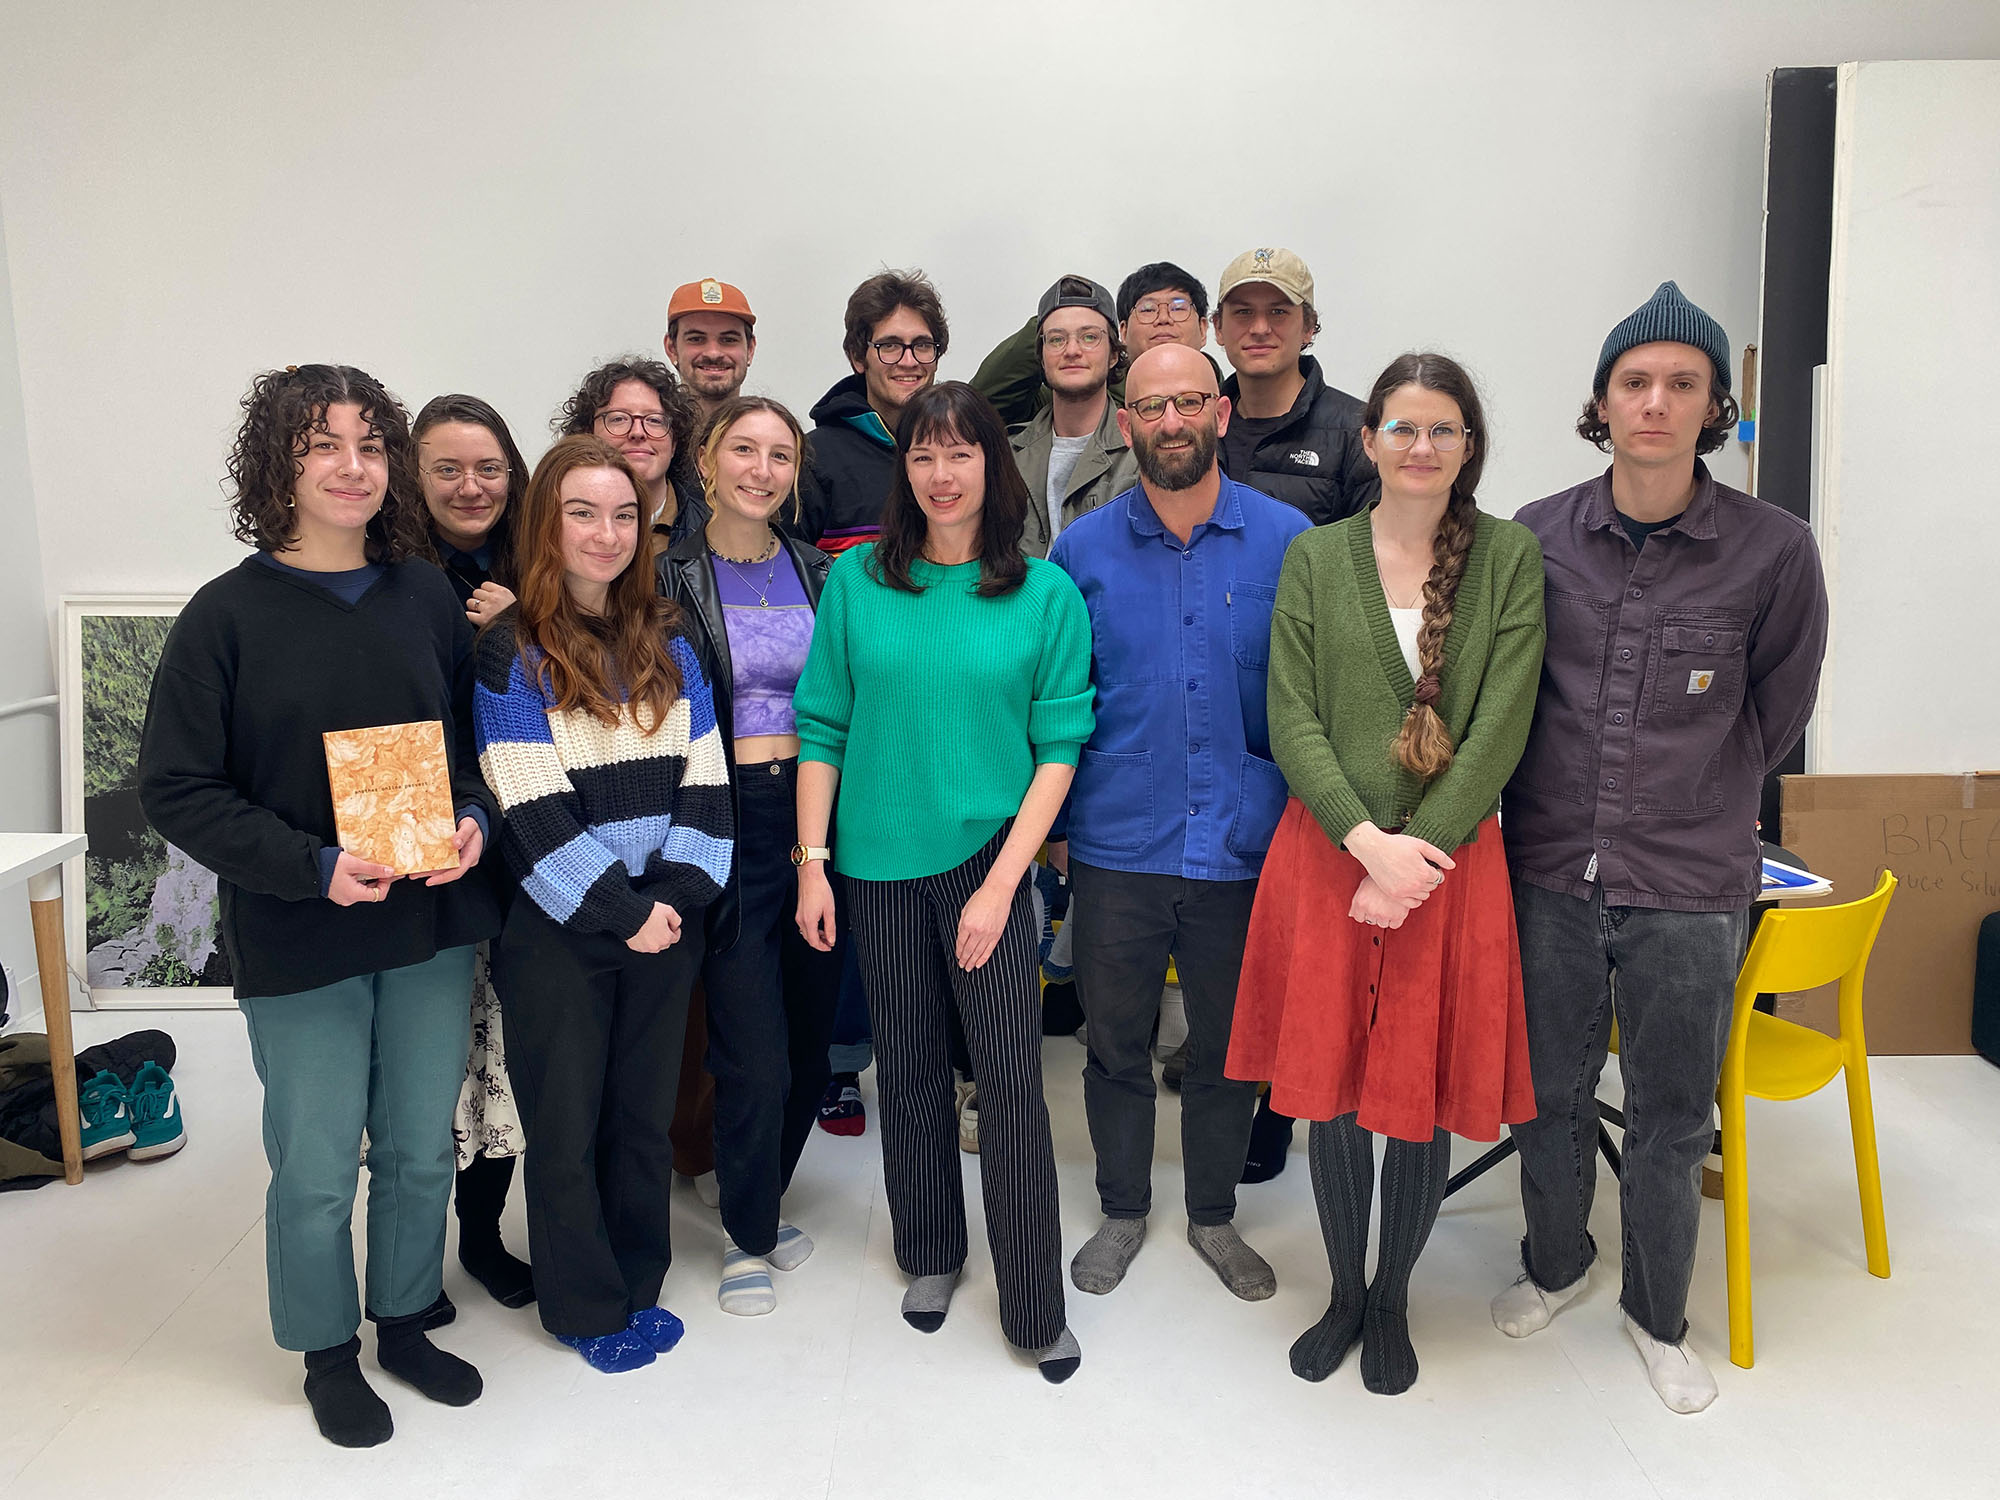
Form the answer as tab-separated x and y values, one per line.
772	729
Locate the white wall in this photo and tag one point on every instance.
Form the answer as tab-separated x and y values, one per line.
490	197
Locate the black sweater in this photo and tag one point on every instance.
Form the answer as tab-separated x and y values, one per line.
232	769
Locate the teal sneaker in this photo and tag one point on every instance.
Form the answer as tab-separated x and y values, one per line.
156	1114
107	1116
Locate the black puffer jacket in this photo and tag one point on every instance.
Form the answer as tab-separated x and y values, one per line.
687	576
1314	458
848	470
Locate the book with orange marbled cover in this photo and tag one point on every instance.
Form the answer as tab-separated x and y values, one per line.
392	795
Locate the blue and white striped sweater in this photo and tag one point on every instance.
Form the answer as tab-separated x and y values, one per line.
600	820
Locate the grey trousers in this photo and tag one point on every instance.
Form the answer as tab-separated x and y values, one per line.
1130	925
1676	980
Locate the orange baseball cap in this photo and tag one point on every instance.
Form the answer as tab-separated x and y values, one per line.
710	295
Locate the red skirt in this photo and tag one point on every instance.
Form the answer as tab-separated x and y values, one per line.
1410	1029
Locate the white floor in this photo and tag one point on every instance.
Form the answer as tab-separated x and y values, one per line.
135	1356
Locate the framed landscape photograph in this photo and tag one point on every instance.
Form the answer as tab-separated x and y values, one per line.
142	916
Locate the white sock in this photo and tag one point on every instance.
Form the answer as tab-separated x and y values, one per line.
746	1283
1524	1308
1677	1372
793	1246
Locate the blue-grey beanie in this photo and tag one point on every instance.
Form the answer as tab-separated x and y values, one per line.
1667	317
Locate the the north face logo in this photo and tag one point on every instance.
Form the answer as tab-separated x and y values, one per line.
1307	457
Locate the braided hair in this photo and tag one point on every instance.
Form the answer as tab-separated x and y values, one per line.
1422	744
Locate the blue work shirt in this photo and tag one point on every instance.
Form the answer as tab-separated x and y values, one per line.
1177	778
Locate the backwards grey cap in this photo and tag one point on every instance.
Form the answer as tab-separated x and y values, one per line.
1667	317
1097	299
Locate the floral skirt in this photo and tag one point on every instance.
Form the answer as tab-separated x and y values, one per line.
1412	1029
486	1123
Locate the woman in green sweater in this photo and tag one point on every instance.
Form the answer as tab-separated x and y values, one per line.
1405	652
943	706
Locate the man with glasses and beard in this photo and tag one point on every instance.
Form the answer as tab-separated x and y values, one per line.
711	339
896	334
1174	803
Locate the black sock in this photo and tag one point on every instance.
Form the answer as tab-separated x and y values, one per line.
482	1193
1413	1179
350	1415
1270	1139
406	1352
1342	1158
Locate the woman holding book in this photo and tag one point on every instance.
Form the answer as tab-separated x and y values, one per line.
353	978
597	733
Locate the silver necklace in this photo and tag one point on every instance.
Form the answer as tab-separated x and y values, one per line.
762	591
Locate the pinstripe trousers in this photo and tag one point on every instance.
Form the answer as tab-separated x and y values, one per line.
905	934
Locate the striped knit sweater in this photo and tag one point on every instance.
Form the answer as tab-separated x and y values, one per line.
600	820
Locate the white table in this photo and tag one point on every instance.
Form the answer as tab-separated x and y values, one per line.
36	859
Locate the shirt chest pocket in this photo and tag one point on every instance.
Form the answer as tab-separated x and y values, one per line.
1250	607
1698	667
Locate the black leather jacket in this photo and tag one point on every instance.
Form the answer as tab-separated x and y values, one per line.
686	575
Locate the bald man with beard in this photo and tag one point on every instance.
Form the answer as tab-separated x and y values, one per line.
1174	803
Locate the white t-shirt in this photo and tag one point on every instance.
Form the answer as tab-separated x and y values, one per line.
1062	463
1407	622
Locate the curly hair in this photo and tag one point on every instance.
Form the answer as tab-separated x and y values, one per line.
470	409
955	413
578	416
1423	745
1593	429
879	296
280	413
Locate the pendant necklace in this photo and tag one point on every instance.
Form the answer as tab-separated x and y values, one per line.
762	591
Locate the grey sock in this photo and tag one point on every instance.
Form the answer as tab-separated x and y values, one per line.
1059	1361
928	1300
1243	1270
1106	1256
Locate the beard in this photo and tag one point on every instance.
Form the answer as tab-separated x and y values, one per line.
1176	471
716	382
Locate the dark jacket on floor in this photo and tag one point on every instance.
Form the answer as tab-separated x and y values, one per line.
850	466
30	1144
232	767
1313	459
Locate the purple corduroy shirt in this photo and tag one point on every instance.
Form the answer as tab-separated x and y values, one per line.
1674	679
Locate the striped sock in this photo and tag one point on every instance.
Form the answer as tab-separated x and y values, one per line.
793	1246
746	1283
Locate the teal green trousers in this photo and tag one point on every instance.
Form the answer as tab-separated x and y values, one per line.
382	1051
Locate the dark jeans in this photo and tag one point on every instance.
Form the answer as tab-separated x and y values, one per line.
853	1047
1670	977
1131	925
594	1035
771	998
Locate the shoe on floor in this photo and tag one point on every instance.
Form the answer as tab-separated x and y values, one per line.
841	1111
968	1116
156	1114
107	1115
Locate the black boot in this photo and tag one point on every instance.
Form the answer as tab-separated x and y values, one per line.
482	1193
349	1413
406	1352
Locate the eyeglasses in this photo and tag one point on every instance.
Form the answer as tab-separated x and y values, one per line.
1187	403
1446	437
1168	310
891	351
490	472
1088	338
618	423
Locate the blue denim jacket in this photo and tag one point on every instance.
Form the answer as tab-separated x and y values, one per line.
1177	778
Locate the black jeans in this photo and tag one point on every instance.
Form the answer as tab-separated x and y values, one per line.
594	1034
771	1001
1670	977
1130	925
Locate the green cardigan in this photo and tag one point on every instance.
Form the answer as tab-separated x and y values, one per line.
938	706
1339	687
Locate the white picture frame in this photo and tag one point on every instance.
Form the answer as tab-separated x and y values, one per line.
112	967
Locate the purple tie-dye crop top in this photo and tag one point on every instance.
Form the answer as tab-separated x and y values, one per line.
768	641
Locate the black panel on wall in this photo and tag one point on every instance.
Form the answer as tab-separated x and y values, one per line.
1798	253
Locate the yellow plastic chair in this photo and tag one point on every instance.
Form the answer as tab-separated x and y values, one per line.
1798	949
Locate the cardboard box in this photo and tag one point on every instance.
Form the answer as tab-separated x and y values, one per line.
1940	836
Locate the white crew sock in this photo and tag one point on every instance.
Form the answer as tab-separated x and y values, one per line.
746	1283
1524	1308
1677	1372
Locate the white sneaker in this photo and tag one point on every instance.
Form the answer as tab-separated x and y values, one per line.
968	1116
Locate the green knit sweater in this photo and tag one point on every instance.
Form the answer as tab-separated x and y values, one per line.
1339	686
937	707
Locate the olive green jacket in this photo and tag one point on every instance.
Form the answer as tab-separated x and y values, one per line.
1106	469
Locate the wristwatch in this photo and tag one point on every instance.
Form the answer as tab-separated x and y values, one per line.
804	852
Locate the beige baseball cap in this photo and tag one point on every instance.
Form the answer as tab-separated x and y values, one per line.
1280	268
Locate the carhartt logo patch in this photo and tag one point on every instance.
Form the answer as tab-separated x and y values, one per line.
1307	457
1699	682
711	292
